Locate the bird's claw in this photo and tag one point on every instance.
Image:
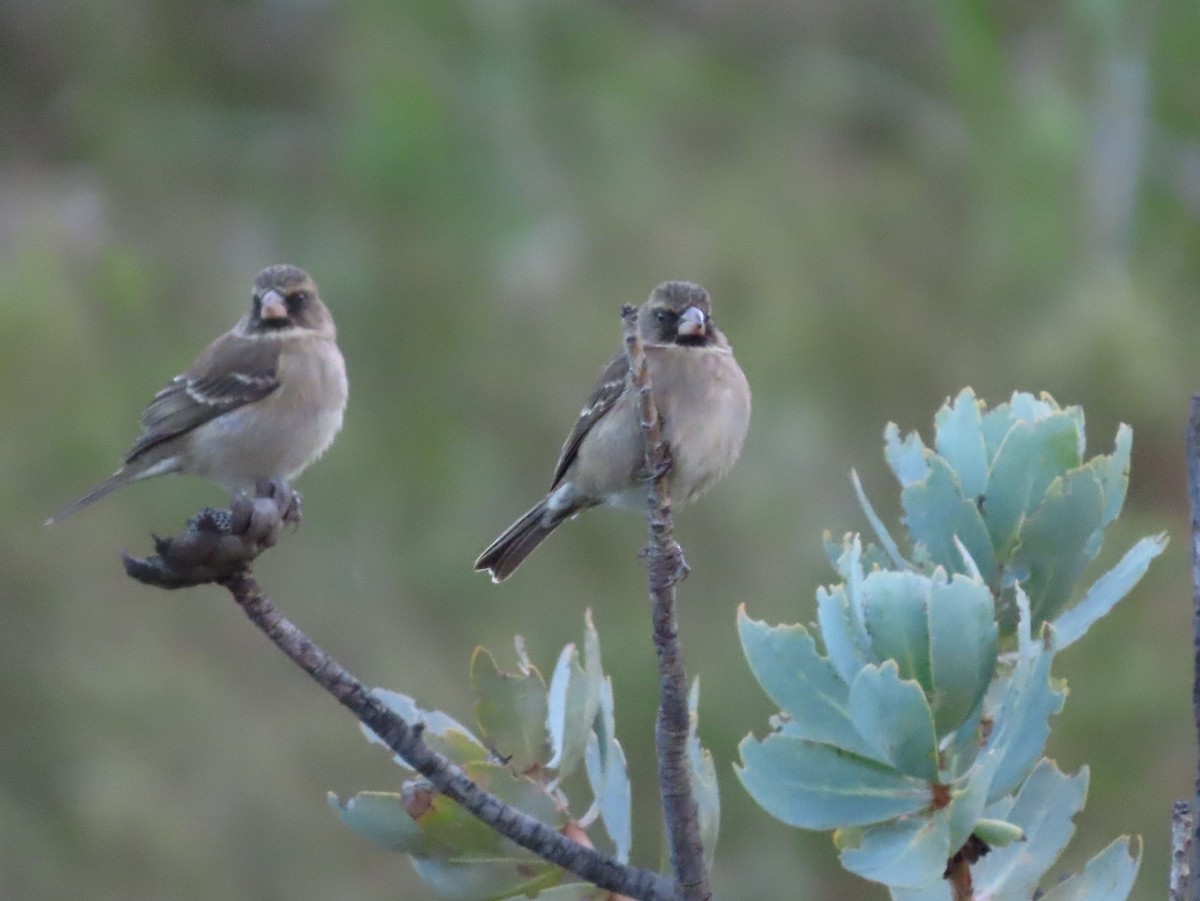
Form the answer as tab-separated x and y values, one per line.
289	499
661	468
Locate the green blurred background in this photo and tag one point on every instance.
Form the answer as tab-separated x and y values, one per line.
887	200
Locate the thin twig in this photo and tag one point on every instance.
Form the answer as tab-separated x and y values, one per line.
1193	471
189	559
666	566
1181	849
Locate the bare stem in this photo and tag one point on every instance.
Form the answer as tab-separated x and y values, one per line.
446	777
219	547
1193	470
1181	849
666	566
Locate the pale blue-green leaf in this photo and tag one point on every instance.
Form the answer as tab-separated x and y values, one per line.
994	425
1108	876
849	567
908	853
962	646
959	440
380	818
1108	589
907	457
1032	455
570	712
970	568
969	798
1115	476
487	880
897	618
818	787
609	779
576	891
805	685
847	650
704	779
939	891
881	532
1022	722
443	733
1044	808
1026	406
512	711
893	716
961	749
1054	540
936	513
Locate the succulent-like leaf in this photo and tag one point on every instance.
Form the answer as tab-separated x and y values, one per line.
1055	539
896	617
576	891
894	718
818	787
1022	723
1043	808
936	513
511	709
380	818
998	833
959	441
962	648
806	687
704	779
969	799
571	708
486	880
1031	456
609	779
845	643
443	733
1108	589
885	539
1108	876
911	852
908	457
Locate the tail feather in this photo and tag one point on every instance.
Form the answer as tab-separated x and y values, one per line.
119	478
518	541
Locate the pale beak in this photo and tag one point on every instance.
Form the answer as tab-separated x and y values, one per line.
273	306
692	323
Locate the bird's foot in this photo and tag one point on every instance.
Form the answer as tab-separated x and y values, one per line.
289	499
661	468
670	559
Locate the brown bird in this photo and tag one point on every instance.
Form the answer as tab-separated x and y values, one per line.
261	402
704	402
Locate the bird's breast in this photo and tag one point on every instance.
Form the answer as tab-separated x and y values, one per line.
280	435
704	401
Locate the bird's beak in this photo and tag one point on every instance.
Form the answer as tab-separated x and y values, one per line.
273	306
692	323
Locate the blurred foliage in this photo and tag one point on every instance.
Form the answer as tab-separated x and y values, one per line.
886	200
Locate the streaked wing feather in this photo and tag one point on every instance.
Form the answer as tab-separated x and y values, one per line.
609	387
231	373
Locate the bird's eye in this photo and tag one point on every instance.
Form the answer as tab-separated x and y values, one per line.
297	300
661	316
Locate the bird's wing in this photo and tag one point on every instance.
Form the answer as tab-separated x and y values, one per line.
609	387
232	372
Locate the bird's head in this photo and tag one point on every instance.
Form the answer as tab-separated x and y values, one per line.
677	313
286	298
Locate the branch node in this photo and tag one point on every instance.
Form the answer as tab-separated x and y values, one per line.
217	544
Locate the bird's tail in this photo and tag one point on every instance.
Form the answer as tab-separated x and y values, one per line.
121	477
518	541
